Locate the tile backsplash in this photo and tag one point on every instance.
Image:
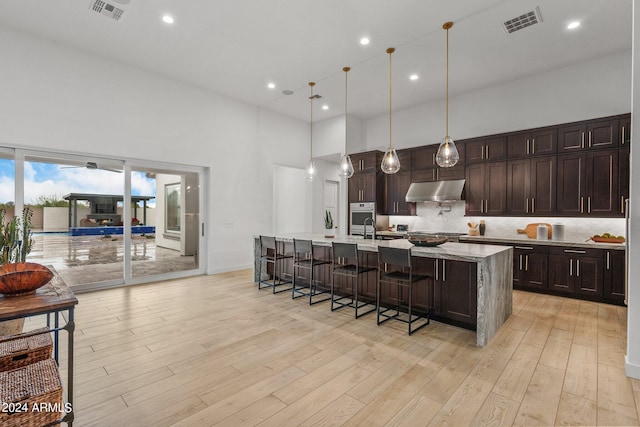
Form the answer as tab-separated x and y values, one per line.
432	218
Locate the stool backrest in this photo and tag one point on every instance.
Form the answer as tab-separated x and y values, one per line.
267	242
302	246
345	250
394	256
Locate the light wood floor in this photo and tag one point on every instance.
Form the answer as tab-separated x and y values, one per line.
214	350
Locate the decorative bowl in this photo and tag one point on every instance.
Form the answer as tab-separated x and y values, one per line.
23	278
427	241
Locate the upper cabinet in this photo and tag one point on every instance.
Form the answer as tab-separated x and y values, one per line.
533	143
486	149
625	130
368	161
590	135
395	188
425	169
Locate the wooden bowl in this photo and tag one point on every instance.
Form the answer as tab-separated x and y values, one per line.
23	278
427	241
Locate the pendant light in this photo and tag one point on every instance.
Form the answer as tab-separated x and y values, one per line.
390	162
311	170
346	167
447	155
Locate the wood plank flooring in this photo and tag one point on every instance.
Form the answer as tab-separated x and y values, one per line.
213	350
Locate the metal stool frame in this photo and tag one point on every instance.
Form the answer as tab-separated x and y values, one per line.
276	258
303	258
350	268
400	261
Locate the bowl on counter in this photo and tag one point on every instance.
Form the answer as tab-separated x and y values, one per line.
426	240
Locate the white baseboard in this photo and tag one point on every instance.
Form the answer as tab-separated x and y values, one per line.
229	269
631	369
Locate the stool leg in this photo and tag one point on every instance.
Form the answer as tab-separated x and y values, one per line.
410	288
378	298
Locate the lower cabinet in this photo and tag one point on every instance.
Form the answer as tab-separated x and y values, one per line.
614	277
530	266
454	295
577	271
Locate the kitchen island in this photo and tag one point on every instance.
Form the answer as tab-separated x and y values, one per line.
490	287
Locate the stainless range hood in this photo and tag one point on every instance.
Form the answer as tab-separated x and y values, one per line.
438	191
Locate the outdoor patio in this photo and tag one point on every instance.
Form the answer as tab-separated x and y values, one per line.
89	259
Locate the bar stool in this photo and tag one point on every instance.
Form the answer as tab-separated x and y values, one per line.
350	269
303	258
270	254
396	269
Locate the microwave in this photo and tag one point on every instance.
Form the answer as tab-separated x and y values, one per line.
359	213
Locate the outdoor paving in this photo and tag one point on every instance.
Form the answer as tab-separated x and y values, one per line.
90	259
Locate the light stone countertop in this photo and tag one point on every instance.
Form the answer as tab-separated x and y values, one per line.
523	239
452	251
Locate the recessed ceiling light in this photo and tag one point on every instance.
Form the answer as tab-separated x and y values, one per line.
271	85
167	19
413	77
573	25
325	107
364	41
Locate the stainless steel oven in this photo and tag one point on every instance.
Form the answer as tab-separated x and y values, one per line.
361	214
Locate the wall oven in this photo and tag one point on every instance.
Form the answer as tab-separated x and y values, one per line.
359	213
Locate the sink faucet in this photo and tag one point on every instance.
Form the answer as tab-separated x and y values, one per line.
372	226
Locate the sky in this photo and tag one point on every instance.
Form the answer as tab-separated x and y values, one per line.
48	179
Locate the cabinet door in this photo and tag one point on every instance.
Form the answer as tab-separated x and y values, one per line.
367	161
623	173
518	145
625	131
536	269
355	187
402	183
459	291
542	186
571	185
423	298
544	141
474	189
571	138
423	175
614	276
561	273
495	148
602	183
448	174
603	134
474	151
369	186
518	187
424	157
589	277
495	191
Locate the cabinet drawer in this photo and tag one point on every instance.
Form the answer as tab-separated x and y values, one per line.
594	253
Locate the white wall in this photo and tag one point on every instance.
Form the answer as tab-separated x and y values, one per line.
632	358
290	203
328	171
57	98
595	88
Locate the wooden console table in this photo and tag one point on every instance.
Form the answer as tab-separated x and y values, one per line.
53	299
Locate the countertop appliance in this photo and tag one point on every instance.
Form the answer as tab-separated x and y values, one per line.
402	227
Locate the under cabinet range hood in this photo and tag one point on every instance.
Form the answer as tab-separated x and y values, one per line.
437	191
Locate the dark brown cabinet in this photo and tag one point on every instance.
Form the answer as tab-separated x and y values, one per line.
533	143
395	188
595	134
367	161
456	291
485	191
530	266
486	149
623	173
425	169
424	157
362	187
531	186
625	130
576	271
587	184
614	276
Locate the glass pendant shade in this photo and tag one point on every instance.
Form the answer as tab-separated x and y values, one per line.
390	162
346	167
311	170
447	155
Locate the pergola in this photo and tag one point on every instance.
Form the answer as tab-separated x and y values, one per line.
103	206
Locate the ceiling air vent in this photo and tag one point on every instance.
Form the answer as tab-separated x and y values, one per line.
523	21
106	9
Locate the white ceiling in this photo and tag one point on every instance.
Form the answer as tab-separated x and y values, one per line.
236	47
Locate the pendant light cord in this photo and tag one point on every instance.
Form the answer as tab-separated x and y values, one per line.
311	84
390	51
446	26
346	70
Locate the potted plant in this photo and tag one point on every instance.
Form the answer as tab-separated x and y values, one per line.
329	230
17	276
